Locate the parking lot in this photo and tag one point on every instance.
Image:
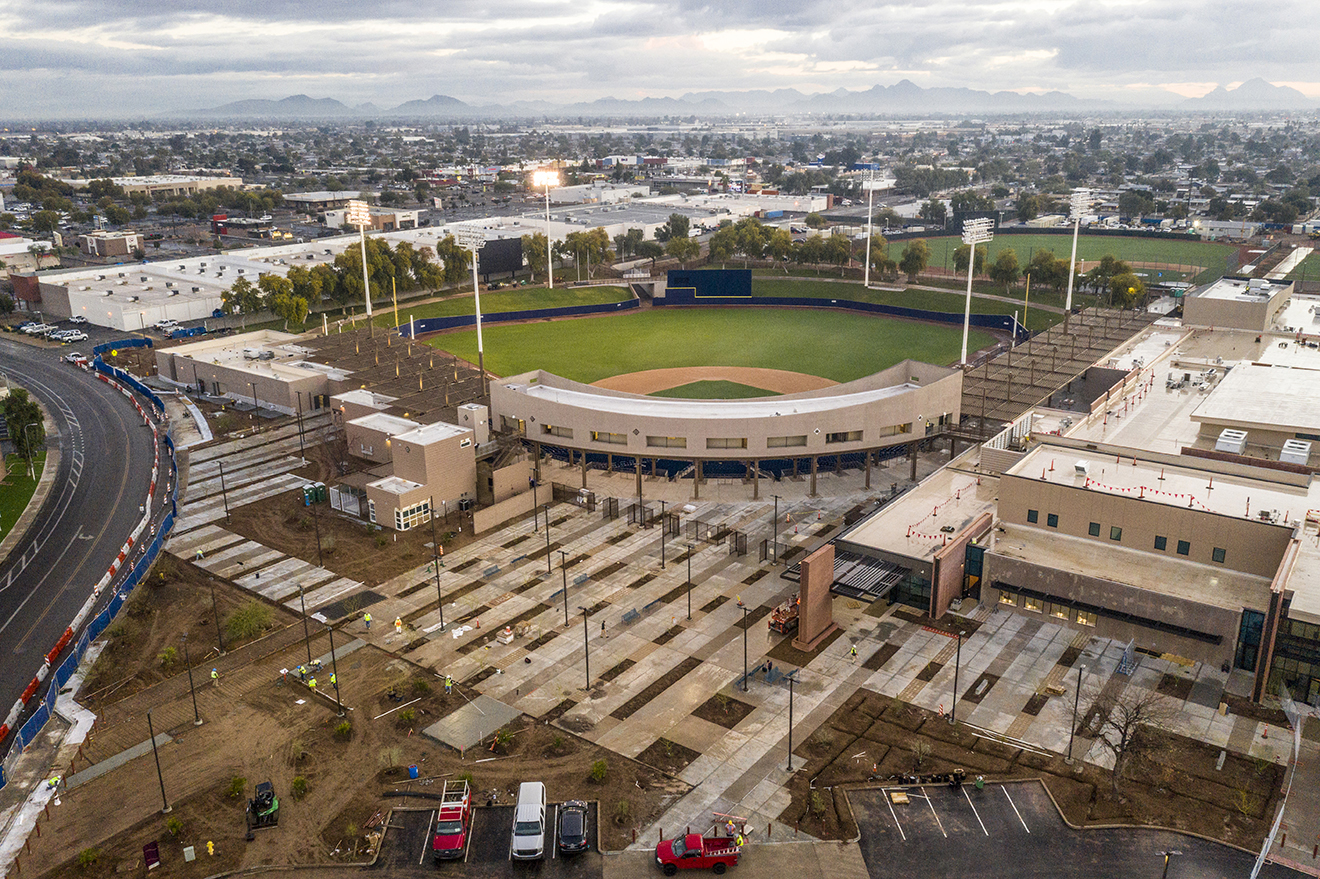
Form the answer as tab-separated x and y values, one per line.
407	847
1014	830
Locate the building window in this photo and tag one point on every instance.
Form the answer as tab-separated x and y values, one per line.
1161	543
1052	520
602	436
1184	547
1217	555
371	511
666	442
1035	605
1033	516
1008	598
1115	533
1060	611
551	430
1085	618
851	436
780	442
1094	530
410	517
726	442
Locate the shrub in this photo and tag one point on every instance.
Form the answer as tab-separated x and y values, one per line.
817	804
622	812
557	742
421	686
298	789
389	757
328	543
920	751
88	856
407	716
381	542
237	787
344	731
168	657
174	826
599	771
467	776
248	621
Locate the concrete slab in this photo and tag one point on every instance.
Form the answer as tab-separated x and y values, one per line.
470	724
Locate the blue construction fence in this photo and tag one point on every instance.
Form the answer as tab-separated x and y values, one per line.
459	321
28	732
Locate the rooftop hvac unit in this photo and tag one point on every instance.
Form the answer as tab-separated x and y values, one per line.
141	278
121	274
197	289
1082	468
100	277
167	283
1295	452
1231	441
174	292
182	267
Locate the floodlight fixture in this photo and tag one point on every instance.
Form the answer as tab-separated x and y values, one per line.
975	231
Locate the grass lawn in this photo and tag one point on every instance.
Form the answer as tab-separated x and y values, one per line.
831	344
930	300
1211	257
1307	270
516	299
16	489
715	389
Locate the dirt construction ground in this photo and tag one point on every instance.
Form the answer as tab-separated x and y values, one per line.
781	381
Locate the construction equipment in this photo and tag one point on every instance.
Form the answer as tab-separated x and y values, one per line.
784	619
263	810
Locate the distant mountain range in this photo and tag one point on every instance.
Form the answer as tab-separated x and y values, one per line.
902	99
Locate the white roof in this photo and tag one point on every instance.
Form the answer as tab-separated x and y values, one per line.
430	433
390	424
1275	397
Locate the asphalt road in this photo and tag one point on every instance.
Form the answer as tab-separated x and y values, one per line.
1012	831
93	505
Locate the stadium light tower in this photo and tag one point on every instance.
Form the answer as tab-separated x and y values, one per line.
547	179
1081	200
870	184
472	238
360	215
975	232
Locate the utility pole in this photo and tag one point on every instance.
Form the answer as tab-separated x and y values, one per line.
435	563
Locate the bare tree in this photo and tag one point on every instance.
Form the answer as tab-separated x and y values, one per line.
1118	719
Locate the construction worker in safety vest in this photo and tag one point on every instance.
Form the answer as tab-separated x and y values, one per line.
311	682
852	653
398	625
739	841
334	681
215	678
449	685
366	618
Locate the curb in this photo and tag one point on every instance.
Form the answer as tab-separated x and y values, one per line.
54	457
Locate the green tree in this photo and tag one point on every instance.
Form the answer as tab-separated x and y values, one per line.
45	221
1126	290
1028	206
20	411
751	236
1005	269
677	226
591	245
1048	270
651	250
1105	271
1134	203
933	211
723	244
960	257
970	200
779	245
815	221
838	250
455	260
242	297
683	249
534	251
915	258
810	250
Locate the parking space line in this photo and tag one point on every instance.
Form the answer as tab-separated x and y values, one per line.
976	813
938	822
471	832
890	804
1015	808
427	838
552	832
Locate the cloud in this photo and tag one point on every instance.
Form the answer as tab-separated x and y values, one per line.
87	56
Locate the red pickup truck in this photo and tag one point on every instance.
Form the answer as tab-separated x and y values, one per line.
695	851
452	821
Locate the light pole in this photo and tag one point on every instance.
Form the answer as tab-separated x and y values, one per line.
187	661
1168	856
435	563
472	238
215	612
360	215
774	553
743	607
549	569
975	232
1077	696
689	583
316	523
224	495
870	185
151	731
334	670
547	179
307	634
1080	202
790	723
662	535
957	663
586	647
302	450
563	556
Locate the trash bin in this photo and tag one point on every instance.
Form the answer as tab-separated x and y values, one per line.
412	771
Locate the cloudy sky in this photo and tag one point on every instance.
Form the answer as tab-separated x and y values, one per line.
73	58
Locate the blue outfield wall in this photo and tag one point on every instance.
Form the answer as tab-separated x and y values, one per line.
461	321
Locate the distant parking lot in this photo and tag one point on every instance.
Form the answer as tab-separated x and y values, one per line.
1013	830
407	847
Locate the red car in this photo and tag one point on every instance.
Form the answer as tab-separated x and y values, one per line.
452	821
695	851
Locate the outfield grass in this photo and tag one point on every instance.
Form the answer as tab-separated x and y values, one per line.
16	489
714	389
1307	270
832	344
1211	257
517	299
930	300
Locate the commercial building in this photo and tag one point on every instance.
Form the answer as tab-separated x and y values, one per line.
1237	303
323	200
110	243
382	219
166	184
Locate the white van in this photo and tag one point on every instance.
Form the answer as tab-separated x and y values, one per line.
529	822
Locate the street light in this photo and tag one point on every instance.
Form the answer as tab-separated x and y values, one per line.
1081	200
547	179
1077	696
224	496
334	670
549	569
977	231
689	583
471	238
302	449
307	635
563	569
435	563
1168	856
662	535
953	712
360	215
187	661
743	607
870	184
586	647
790	722
151	731
774	553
